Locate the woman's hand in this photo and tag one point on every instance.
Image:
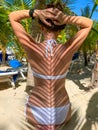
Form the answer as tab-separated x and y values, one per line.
54	14
45	14
59	18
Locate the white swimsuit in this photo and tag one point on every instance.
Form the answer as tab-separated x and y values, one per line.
50	116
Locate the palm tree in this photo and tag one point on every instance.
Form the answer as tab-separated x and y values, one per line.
4	30
90	42
94	7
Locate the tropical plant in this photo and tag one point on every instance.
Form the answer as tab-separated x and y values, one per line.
90	42
94	7
4	29
11	5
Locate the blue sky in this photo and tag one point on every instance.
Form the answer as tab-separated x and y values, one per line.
79	4
82	4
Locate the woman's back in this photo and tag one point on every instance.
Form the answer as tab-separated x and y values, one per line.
49	94
49	73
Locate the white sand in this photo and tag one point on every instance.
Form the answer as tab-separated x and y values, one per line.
84	105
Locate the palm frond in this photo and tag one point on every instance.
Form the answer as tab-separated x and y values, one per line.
66	2
9	1
69	2
86	11
28	2
95	1
93	9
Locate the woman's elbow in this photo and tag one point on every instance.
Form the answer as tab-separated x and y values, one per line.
10	17
90	23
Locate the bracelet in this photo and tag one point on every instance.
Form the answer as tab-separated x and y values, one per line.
31	11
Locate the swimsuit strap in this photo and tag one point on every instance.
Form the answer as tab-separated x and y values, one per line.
49	45
50	77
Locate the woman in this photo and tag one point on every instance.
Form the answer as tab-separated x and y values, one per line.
48	105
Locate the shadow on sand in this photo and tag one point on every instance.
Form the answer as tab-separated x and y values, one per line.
78	73
92	114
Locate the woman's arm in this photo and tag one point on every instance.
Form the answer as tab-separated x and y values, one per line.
16	17
84	23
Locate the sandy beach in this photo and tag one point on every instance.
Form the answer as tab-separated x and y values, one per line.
84	103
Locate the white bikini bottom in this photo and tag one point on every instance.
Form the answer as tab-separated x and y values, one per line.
50	116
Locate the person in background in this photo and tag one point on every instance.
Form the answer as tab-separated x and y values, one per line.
48	105
1	57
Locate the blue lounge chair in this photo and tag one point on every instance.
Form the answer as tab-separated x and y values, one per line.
8	76
18	66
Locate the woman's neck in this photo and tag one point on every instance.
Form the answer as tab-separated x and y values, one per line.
49	36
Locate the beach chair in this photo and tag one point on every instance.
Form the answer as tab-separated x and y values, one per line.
16	65
8	76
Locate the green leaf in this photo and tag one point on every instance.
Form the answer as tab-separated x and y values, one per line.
96	1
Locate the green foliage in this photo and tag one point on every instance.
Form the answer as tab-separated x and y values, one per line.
96	1
4	26
86	11
62	37
7	32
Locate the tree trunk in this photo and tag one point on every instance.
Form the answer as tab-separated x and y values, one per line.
94	80
3	55
85	59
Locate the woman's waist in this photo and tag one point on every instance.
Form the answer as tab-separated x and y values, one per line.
47	84
48	98
48	104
